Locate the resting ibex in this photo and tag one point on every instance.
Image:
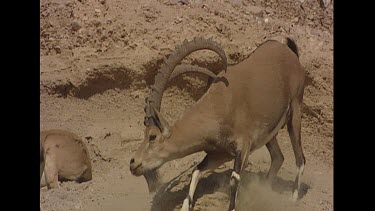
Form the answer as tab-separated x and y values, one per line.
232	119
63	156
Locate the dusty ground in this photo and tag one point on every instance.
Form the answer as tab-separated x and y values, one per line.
98	58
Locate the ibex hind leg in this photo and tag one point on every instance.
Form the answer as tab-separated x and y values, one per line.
294	129
277	159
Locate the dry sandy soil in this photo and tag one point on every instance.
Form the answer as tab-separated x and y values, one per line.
98	58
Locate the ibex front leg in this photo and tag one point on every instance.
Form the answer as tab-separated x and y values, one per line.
208	164
240	161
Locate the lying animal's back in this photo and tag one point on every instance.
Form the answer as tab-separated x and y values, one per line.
70	152
60	132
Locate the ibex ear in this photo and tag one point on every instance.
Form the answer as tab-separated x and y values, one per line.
164	126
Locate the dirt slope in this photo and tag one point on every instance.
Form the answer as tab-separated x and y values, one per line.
98	58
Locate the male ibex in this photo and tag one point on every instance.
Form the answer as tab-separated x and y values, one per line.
231	120
63	156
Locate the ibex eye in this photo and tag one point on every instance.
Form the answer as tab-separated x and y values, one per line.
152	137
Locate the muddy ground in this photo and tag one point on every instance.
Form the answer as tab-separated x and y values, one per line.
98	59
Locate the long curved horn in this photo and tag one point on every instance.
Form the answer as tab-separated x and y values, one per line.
168	66
184	68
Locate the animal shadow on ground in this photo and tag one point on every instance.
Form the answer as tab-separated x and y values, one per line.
167	199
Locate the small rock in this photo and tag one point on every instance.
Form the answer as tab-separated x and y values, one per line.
178	20
104	37
76	26
88	137
184	2
78	206
58	49
51	39
282	29
133	45
81	30
107	135
48	25
257	43
269	11
266	20
171	2
98	11
61	7
96	23
257	11
247	17
295	20
236	3
221	28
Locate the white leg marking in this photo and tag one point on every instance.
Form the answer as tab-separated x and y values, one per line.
193	186
236	176
185	205
295	195
300	172
194	183
296	191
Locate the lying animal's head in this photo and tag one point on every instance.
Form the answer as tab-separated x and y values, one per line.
153	151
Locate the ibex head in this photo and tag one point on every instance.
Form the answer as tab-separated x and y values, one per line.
153	151
150	154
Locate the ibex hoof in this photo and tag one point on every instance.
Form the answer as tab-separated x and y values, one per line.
294	197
